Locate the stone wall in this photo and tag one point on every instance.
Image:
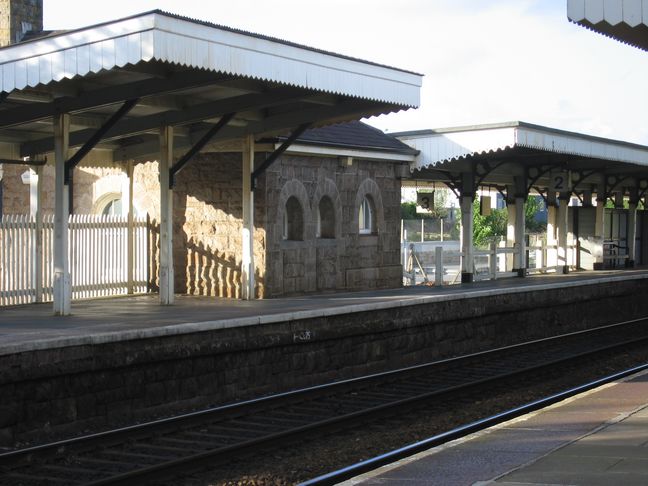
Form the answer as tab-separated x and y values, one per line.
208	227
12	15
57	392
207	222
349	260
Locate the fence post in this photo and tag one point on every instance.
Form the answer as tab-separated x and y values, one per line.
36	212
441	226
410	263
492	261
130	236
422	230
438	266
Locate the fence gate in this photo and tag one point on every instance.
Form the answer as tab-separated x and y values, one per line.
99	258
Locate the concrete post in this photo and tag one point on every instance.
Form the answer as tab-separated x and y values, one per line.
247	259
438	266
563	227
62	283
492	261
166	217
467	238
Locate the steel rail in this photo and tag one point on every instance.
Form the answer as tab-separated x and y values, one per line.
261	404
368	465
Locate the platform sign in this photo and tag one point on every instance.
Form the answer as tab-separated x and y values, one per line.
560	181
424	202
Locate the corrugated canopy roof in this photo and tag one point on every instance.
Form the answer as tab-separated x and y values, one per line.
506	149
625	21
185	73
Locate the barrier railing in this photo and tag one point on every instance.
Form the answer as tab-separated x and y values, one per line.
432	263
102	260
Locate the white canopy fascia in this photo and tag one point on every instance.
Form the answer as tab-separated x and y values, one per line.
444	145
168	38
624	20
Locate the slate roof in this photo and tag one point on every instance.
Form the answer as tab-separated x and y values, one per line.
355	134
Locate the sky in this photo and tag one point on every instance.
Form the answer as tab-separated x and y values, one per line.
483	61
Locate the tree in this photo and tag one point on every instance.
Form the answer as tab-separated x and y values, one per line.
532	207
491	228
487	229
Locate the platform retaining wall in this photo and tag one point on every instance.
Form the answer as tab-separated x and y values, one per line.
54	393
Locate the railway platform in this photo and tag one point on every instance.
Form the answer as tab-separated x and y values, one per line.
597	438
33	327
128	359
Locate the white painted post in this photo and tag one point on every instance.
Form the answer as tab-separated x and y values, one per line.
520	243
552	253
438	266
422	230
410	264
441	226
563	226
493	261
247	260
130	231
467	239
166	218
62	284
632	232
511	258
599	229
36	211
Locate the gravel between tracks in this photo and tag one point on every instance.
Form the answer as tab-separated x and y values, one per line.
299	462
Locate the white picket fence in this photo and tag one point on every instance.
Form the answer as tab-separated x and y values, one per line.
98	257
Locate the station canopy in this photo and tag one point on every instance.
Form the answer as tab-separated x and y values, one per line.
497	153
121	81
625	21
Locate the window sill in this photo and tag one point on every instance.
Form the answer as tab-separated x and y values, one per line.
368	239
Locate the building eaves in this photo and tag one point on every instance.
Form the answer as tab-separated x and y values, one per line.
353	135
447	144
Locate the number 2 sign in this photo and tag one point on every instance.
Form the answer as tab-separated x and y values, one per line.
560	181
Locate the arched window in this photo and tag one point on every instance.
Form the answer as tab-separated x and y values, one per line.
113	207
366	223
293	222
109	204
326	218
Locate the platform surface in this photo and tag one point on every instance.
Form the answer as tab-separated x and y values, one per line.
33	326
599	438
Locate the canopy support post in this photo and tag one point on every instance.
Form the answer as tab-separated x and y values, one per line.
62	283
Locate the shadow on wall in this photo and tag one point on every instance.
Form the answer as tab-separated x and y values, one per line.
209	272
213	273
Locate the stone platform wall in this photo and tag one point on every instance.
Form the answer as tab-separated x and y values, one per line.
58	392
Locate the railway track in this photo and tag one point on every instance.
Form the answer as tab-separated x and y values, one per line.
157	449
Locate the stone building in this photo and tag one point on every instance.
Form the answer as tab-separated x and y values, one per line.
327	212
173	118
19	17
